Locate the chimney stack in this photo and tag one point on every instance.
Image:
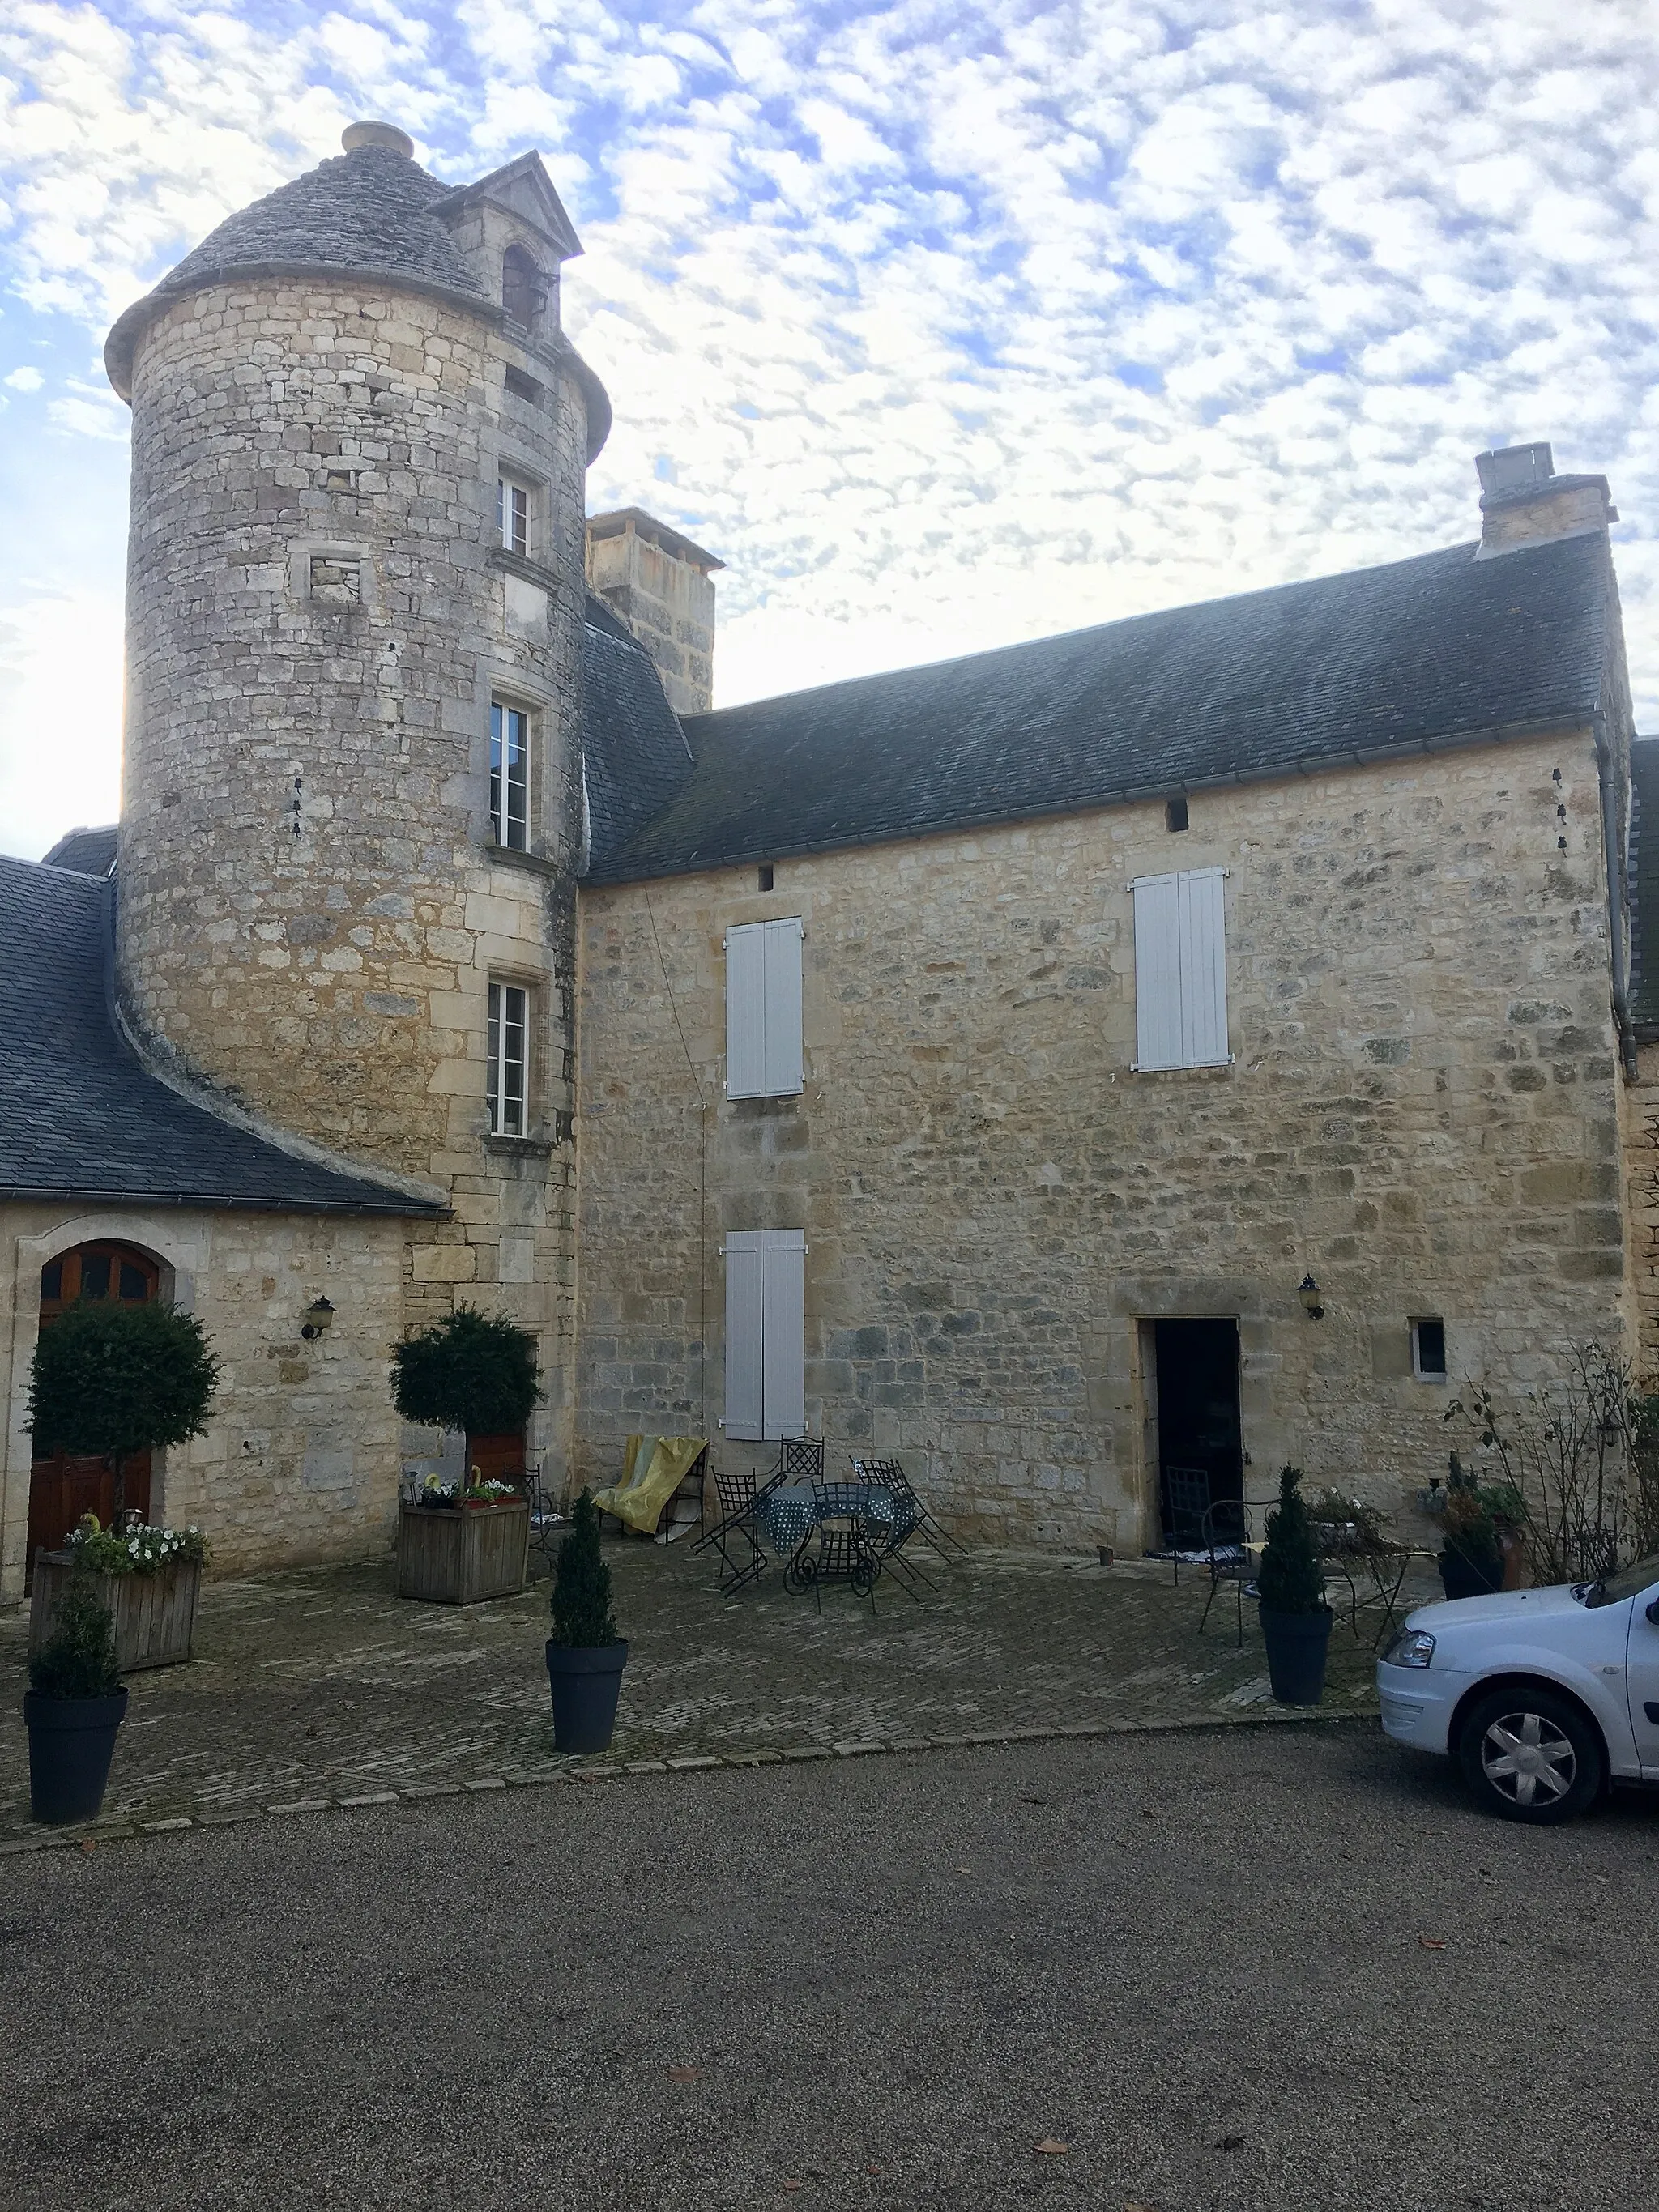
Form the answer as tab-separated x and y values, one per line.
1523	502
662	587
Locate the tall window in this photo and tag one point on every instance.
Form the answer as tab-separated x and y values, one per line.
765	1311
508	1048
509	776
1181	970
524	288
763	1009
513	515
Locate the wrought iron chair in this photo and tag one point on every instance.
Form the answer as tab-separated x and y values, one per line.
1227	1532
888	1475
839	1547
892	1527
736	1535
800	1459
547	1525
1186	1502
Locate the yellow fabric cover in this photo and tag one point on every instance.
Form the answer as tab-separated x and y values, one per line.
653	1470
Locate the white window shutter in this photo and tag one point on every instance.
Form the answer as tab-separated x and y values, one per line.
782	941
745	1011
763	1009
745	1400
783	1327
1157	972
1203	969
1180	970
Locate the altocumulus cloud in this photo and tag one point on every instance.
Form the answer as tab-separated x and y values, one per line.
943	324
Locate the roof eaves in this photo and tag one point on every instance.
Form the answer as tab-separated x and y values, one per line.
621	872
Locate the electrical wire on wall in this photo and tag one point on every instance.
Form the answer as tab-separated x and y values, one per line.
702	1186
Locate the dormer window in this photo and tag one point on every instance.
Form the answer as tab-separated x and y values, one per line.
524	288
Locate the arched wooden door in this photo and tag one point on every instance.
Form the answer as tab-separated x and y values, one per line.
61	1488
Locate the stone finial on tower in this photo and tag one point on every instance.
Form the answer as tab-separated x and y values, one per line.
662	587
356	135
1524	503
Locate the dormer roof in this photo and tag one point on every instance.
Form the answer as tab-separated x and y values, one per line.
522	188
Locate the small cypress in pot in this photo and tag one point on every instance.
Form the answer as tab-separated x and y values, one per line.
74	1707
1296	1621
585	1654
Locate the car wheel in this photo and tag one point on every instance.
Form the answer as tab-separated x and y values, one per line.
1530	1754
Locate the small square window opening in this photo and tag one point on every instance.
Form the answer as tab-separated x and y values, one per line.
509	776
1429	1351
1175	814
767	875
513	515
507	1052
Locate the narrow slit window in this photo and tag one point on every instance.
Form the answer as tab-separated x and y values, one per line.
513	515
509	777
508	1048
1429	1351
1175	814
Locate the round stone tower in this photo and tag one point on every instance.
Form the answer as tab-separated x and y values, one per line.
351	813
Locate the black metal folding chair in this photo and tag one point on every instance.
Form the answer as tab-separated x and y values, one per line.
1226	1538
1186	1502
891	1526
736	1535
888	1475
547	1525
838	1548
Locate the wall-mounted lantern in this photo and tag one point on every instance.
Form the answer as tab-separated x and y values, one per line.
1312	1304
319	1313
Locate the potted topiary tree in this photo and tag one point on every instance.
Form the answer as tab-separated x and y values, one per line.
1480	1520
1296	1621
73	1708
114	1380
478	1373
585	1654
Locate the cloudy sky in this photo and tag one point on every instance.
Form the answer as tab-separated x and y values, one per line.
945	323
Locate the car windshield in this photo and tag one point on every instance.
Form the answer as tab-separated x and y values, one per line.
1626	1583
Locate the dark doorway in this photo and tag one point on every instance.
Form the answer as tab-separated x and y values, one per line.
1199	1445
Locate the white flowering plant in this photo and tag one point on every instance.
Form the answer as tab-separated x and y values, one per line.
135	1548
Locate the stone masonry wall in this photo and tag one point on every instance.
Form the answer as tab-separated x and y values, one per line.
302	1458
1421	1111
668	603
319	615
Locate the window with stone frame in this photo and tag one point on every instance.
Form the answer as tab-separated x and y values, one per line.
513	505
509	775
507	1059
524	288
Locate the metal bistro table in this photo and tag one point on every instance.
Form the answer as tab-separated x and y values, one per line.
831	1532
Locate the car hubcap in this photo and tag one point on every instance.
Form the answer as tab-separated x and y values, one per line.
1527	1758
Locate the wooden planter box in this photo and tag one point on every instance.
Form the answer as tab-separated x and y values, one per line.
155	1614
452	1555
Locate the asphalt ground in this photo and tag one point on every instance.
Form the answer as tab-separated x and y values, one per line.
1256	1967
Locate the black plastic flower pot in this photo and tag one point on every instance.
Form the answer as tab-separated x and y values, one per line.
585	1687
1296	1644
71	1743
1463	1574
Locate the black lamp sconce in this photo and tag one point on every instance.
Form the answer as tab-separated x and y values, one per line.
319	1313
1312	1304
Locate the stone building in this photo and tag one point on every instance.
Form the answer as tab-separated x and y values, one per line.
994	1061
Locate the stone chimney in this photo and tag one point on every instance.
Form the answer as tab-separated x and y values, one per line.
662	587
1524	503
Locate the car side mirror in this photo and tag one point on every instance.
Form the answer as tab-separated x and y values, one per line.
1653	1612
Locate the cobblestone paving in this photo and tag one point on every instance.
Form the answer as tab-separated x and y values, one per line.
319	1686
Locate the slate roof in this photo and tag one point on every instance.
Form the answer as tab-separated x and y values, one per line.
372	212
87	852
1380	660
635	754
79	1117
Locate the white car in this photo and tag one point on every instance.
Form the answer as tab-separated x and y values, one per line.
1543	1696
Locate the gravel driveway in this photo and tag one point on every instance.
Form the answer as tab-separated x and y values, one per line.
1259	1967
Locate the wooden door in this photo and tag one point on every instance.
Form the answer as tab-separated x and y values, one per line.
62	1487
